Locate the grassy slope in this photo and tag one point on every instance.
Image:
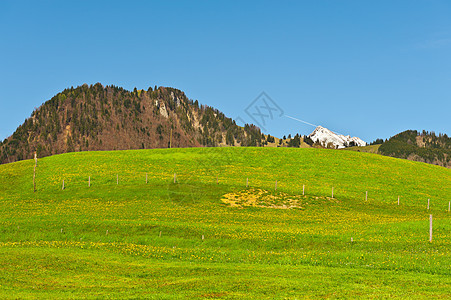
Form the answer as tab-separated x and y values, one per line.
368	149
105	240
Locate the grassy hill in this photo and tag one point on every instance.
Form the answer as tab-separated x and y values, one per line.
97	117
210	236
368	149
419	146
413	145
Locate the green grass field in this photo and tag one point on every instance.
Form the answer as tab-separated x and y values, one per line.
186	240
369	149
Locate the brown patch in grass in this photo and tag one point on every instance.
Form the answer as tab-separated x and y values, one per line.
253	197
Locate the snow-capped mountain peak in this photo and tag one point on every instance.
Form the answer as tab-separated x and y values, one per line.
327	137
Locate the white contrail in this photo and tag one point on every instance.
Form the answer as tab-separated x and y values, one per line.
301	121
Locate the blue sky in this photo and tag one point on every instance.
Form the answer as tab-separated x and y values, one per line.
368	69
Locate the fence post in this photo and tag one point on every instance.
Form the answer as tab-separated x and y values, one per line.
332	192
63	185
117	178
34	179
146	178
303	189
398	200
89	181
275	188
34	171
366	196
428	204
430	228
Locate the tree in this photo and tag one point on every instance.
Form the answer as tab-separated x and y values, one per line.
377	142
229	138
308	140
295	142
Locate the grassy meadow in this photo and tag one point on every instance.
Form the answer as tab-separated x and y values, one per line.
369	149
210	236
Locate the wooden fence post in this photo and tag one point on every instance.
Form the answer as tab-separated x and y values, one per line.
398	200
366	196
63	185
89	181
449	206
303	189
117	178
34	179
332	192
430	228
428	204
146	178
34	171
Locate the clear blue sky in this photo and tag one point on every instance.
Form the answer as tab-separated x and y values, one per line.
365	68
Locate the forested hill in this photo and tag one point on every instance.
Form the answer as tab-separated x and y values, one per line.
111	118
425	147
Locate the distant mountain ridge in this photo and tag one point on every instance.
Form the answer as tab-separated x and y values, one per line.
330	139
95	117
419	146
111	118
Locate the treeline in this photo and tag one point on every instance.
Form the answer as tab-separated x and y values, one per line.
294	142
94	117
422	146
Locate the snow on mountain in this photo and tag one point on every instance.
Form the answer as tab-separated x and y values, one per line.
325	136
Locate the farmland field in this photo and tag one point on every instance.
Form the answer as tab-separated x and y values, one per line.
208	235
